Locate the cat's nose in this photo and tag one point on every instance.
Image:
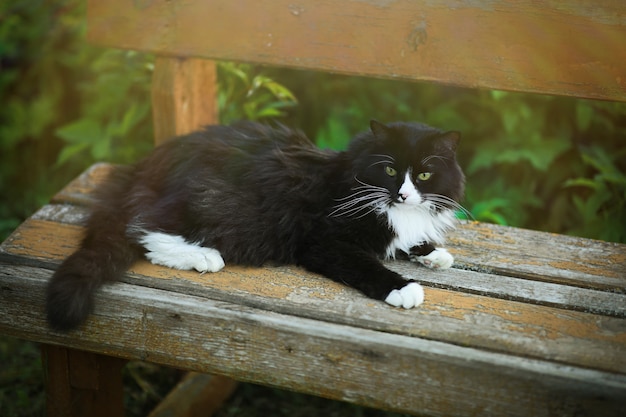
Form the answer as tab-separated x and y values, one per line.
403	196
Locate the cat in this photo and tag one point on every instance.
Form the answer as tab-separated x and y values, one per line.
250	194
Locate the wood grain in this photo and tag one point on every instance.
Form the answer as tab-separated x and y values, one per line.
538	343
481	247
184	96
197	395
463	318
81	383
365	366
571	48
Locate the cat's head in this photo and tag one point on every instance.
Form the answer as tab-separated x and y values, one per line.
410	165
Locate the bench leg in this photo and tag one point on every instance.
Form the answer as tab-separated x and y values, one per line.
80	383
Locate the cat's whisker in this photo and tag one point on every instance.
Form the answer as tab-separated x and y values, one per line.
362	201
350	204
352	207
359	190
443	202
369	185
442	158
391	158
379	162
360	195
373	206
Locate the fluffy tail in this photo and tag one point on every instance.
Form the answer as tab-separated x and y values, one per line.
70	292
104	255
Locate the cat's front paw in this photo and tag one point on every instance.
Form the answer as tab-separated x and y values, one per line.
409	296
438	259
207	260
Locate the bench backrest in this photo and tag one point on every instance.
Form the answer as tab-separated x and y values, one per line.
574	48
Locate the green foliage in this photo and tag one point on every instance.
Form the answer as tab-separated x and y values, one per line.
246	94
35	40
21	379
114	122
65	103
603	205
534	161
528	158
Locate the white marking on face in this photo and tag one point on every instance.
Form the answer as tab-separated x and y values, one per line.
407	193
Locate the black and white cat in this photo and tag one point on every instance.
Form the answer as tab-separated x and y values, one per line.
250	194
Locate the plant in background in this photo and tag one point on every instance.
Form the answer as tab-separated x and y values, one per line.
246	94
519	150
115	122
603	205
532	161
36	40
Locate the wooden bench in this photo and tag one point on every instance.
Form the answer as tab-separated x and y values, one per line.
526	323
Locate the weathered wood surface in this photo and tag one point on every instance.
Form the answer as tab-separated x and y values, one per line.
560	345
525	328
567	48
196	395
184	96
81	383
361	365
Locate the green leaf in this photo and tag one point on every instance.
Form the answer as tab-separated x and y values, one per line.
133	115
510	120
581	182
101	149
81	131
498	95
584	115
70	151
334	135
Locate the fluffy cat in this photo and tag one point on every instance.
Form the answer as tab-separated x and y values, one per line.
250	194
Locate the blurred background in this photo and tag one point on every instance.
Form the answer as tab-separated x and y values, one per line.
540	162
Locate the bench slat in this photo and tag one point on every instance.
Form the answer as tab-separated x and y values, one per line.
342	362
541	256
482	247
455	317
571	48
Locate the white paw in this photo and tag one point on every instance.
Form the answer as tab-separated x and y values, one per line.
203	260
198	258
174	252
207	260
409	296
438	259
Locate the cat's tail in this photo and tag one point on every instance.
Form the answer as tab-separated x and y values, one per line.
70	293
104	255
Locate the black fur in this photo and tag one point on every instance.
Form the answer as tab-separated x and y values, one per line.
256	194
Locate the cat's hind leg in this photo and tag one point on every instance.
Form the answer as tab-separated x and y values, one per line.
174	251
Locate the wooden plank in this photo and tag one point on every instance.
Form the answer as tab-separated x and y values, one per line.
481	247
566	48
82	384
197	395
596	298
184	96
79	190
364	366
60	243
540	256
465	319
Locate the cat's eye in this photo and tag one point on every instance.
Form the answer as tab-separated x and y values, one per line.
390	171
424	176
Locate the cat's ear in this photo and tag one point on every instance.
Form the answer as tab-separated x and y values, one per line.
379	129
448	141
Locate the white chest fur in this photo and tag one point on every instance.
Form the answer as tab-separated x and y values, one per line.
415	225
